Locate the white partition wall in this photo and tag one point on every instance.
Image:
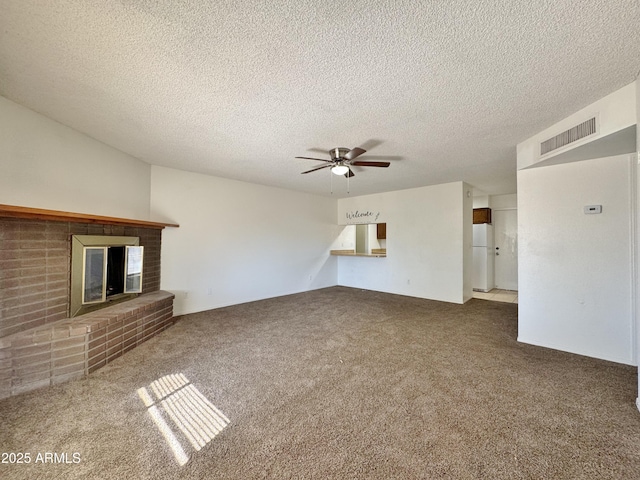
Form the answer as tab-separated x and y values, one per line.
577	280
429	242
575	268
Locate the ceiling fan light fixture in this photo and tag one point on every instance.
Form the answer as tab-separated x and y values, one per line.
340	169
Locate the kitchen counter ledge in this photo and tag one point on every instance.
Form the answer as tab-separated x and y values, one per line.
352	253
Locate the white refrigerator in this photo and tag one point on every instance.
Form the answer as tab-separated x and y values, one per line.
483	257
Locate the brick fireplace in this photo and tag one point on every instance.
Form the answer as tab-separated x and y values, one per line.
40	344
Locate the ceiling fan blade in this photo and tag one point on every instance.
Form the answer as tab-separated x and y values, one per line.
318	168
371	143
353	153
319	159
371	164
381	157
349	174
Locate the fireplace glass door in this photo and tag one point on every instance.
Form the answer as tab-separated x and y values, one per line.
95	275
110	271
133	270
104	269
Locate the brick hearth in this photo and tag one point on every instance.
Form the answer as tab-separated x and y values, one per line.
76	347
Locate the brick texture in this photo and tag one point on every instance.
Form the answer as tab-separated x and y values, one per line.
76	347
35	262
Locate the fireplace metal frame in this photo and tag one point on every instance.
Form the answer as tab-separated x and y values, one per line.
78	245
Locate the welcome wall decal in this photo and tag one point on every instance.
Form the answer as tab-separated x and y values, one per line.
362	217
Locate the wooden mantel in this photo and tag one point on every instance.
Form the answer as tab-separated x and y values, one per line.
56	215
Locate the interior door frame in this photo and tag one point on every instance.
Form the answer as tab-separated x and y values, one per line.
495	230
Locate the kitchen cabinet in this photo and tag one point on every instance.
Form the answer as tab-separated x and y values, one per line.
481	215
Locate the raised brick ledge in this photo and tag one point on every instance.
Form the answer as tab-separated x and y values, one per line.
75	347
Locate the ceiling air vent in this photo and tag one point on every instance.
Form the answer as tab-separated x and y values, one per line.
565	138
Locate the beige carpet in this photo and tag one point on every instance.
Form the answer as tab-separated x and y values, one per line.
336	383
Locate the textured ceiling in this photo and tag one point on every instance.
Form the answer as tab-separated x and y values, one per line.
239	88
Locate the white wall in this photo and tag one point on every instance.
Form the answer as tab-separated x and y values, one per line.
481	201
373	240
613	113
346	240
575	270
44	164
239	242
496	202
503	202
428	246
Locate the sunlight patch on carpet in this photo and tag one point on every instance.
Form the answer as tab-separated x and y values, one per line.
195	417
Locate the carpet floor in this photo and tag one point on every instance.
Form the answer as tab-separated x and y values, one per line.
336	383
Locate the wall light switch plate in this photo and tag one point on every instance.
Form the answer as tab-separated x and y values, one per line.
590	209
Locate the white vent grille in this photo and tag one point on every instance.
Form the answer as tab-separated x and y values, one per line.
565	138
